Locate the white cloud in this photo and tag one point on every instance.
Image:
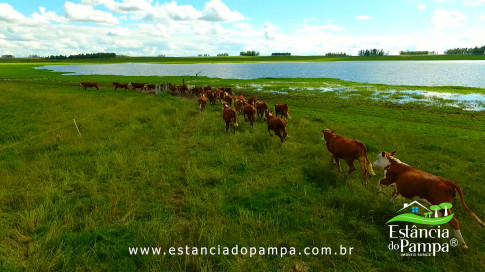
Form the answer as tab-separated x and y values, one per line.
332	27
364	17
270	31
216	11
474	3
10	15
443	18
81	13
421	7
183	12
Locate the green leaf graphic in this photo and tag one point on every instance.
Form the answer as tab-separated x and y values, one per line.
412	218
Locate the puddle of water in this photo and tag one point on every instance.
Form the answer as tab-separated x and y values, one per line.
470	102
278	92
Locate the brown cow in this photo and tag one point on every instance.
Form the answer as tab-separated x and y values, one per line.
211	95
183	89
348	150
228	99
230	116
249	113
173	89
202	102
221	92
142	86
150	87
276	124
416	184
261	107
239	104
252	101
283	110
207	88
120	85
198	91
90	84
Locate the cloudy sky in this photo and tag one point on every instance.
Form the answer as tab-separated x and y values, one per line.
189	28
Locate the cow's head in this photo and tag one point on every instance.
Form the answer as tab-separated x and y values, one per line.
327	133
268	113
224	105
383	159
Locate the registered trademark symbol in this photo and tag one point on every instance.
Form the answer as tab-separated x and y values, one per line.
454	242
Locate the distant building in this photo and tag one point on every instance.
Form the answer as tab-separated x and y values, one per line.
7	56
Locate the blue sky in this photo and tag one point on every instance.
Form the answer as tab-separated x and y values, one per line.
189	28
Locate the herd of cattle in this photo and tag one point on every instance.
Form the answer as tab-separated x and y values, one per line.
407	180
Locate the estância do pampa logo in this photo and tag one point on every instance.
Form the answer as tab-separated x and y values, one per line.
425	240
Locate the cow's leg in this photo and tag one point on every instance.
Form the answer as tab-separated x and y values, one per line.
363	163
227	126
456	227
379	190
394	194
350	163
337	161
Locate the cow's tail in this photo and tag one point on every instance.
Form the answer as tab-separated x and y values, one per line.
369	164
234	122
466	207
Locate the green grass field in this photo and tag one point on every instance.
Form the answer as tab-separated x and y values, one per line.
237	59
151	171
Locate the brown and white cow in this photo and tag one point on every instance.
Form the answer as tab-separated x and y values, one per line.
230	116
120	85
202	102
349	150
239	104
228	99
90	84
419	185
276	124
261	107
150	87
283	110
252	101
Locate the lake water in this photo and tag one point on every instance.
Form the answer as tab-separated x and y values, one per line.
414	73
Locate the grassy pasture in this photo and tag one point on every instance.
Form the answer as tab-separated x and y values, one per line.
237	59
151	171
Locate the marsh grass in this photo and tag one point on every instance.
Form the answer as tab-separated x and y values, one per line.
152	171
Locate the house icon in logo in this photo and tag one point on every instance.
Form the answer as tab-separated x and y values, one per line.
414	206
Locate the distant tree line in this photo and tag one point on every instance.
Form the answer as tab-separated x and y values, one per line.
466	51
223	55
204	55
281	54
417	52
339	54
84	56
249	53
373	52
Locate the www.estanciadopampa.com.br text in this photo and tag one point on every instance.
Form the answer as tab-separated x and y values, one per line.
237	250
